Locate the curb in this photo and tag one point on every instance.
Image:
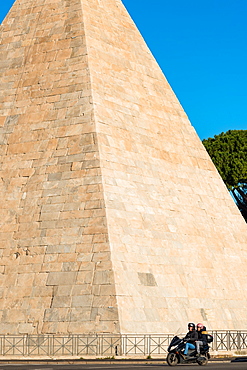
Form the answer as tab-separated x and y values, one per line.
102	361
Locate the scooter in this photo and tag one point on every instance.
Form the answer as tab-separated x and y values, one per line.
175	354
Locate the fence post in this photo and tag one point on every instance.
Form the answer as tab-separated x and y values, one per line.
26	345
228	336
51	345
238	341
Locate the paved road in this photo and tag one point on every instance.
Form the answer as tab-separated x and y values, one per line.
96	366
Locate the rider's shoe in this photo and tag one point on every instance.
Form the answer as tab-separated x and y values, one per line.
185	357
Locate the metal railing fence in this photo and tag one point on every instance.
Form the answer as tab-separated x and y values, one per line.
108	345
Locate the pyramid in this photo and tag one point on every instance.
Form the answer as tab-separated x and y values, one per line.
113	217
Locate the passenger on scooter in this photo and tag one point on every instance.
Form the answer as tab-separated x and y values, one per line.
202	339
190	338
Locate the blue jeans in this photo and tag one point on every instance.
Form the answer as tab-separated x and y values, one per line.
188	346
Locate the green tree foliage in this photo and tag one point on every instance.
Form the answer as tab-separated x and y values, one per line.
228	151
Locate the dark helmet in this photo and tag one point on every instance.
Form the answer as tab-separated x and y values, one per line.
191	325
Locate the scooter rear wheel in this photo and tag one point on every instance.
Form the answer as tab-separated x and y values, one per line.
172	359
202	361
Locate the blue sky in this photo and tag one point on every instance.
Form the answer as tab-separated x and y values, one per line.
201	46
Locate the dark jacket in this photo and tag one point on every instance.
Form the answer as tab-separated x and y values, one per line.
202	335
191	336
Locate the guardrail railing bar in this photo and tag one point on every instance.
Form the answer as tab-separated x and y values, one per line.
105	344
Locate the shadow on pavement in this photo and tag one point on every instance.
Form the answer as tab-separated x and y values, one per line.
240	359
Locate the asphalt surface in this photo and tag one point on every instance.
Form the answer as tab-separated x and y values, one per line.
98	366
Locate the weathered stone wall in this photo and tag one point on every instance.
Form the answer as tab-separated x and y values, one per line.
113	218
178	241
56	274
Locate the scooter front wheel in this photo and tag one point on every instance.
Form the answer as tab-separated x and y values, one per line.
172	359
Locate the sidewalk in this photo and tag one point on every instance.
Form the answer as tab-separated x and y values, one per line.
103	361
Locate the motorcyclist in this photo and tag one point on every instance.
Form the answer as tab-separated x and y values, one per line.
201	331
190	338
